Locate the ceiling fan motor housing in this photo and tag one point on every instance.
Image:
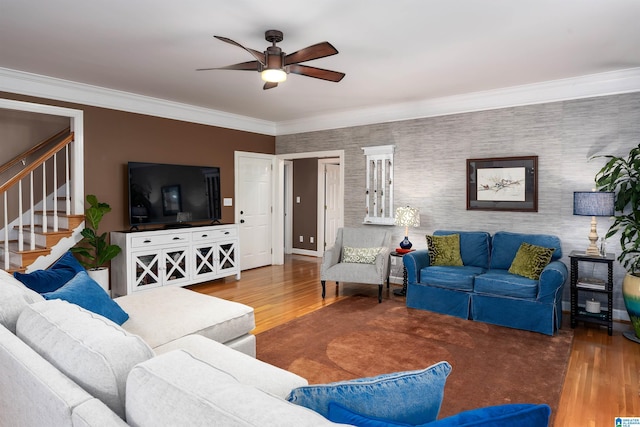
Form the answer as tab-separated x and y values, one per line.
274	58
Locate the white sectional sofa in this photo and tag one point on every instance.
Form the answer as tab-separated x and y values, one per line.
61	365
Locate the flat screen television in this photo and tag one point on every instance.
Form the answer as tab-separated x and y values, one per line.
173	195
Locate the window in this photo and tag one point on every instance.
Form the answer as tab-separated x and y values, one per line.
379	184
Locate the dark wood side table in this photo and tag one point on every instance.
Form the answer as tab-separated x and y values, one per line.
401	292
601	285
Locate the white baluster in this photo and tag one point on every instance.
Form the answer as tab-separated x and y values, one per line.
32	215
20	231
44	197
6	233
55	193
67	167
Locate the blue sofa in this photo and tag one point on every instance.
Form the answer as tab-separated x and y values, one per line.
483	289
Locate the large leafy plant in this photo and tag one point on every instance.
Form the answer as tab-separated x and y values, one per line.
622	176
94	248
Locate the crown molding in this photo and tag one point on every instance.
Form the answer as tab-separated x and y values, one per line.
601	84
65	90
589	86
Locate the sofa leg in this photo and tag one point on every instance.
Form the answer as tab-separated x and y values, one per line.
323	288
379	294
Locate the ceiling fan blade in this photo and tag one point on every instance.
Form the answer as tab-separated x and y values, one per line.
269	85
316	51
318	73
258	55
248	66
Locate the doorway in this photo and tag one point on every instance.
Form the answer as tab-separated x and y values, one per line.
284	198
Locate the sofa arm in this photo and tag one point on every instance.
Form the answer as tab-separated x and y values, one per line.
414	262
551	280
329	259
382	263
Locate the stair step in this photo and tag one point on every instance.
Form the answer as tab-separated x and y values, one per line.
47	239
27	255
72	220
13	247
13	268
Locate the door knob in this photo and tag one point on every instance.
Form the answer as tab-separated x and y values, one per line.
242	221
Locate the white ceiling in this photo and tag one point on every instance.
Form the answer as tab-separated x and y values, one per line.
394	53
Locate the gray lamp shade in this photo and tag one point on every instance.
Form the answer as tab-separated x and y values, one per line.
593	203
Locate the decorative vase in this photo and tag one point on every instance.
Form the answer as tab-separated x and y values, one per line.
101	276
406	244
631	296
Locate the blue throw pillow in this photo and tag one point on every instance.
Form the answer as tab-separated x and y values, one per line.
412	397
515	414
341	415
519	414
82	290
52	278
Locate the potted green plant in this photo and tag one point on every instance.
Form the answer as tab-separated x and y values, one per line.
622	176
94	250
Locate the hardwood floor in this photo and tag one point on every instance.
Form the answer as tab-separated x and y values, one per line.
602	380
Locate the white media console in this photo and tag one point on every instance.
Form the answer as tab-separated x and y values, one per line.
180	257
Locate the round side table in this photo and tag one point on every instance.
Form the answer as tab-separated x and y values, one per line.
403	291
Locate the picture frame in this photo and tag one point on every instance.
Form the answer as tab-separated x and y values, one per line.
503	184
171	200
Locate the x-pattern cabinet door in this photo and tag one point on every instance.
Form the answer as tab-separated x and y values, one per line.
227	256
176	265
146	270
205	260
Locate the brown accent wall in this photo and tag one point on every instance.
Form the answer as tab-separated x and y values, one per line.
113	138
305	213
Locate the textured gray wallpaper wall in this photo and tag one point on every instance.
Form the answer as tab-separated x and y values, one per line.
430	166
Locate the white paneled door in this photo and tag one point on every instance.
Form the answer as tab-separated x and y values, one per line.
332	204
254	189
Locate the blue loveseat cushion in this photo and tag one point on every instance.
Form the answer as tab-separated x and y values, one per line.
474	246
505	246
509	415
503	283
412	397
450	277
52	278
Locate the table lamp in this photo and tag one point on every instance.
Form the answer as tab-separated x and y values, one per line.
593	204
408	217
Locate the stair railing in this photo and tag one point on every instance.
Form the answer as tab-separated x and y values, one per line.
40	163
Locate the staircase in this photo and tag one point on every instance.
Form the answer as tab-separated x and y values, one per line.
38	225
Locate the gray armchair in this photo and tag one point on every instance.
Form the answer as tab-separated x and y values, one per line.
376	273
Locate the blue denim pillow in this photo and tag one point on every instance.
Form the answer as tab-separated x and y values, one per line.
52	278
519	414
82	290
412	397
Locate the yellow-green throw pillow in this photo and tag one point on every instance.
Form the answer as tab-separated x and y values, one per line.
530	260
444	250
360	255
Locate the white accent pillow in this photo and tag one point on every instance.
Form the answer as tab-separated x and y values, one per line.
91	350
14	297
206	396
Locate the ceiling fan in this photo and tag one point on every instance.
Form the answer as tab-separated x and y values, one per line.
274	65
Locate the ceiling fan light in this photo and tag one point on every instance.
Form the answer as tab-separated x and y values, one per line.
274	75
